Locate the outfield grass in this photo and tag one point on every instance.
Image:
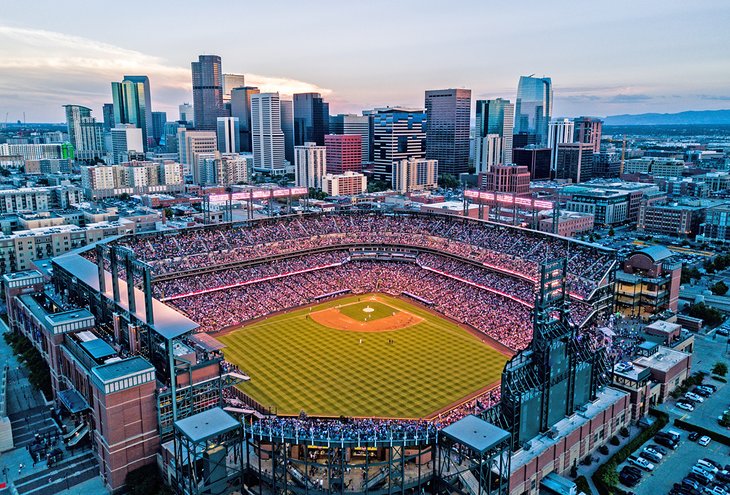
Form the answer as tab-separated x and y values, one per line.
356	310
297	364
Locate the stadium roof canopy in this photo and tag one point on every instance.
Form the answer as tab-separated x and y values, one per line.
475	433
167	322
656	253
206	424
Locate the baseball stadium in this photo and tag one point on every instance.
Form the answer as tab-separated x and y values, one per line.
343	352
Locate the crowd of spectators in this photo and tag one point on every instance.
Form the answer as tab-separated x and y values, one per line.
498	317
504	248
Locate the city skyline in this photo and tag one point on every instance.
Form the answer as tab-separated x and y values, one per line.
50	61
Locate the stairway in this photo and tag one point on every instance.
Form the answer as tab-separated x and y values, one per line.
65	474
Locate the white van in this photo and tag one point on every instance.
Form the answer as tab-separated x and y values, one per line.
707	466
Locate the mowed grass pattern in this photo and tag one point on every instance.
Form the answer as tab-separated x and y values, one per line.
356	311
296	364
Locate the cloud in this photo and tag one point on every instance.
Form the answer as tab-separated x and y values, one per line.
41	70
628	98
714	97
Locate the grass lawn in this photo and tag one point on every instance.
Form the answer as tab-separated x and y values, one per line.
297	364
358	311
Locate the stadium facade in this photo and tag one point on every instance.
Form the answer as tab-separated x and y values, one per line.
147	386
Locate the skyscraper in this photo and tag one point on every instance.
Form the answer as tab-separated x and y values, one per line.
228	135
560	131
186	113
589	130
344	153
398	134
126	138
310	165
158	126
287	127
85	133
493	118
447	129
354	124
231	81
107	112
241	108
207	92
574	162
133	105
191	144
268	139
311	118
533	110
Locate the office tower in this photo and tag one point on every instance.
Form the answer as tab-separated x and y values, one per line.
169	136
311	119
107	112
85	133
447	129
415	174
191	144
344	153
588	130
399	134
513	179
267	137
493	118
370	114
228	135
231	81
560	131
133	105
126	138
222	169
158	126
207	92
241	108
607	163
537	161
574	162
186	113
310	165
533	110
354	124
287	127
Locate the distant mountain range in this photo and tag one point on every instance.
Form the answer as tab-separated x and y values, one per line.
699	117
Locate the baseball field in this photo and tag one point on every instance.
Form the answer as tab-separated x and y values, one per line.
368	355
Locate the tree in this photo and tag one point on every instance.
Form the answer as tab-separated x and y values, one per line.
711	316
316	193
611	232
719	289
448	181
124	196
378	186
689	273
168	212
719	369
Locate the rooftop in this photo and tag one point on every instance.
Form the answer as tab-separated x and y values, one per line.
664	326
475	433
120	369
206	424
663	360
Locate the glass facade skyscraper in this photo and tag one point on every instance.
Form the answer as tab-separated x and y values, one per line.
493	118
133	105
533	110
311	119
447	129
207	92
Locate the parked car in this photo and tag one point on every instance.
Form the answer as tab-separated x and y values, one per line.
702	392
704	440
642	463
693	397
628	479
702	472
686	406
649	456
666	442
659	449
654	451
693	436
700	477
712	389
632	469
690	483
708	466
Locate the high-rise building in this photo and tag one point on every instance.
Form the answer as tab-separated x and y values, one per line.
133	105
347	184
158	126
537	161
186	113
344	153
354	124
588	130
222	169
241	108
287	127
107	112
207	92
126	138
311	119
560	131
514	179
447	129
415	174
191	144
267	137
533	110
231	81
493	129
85	133
228	135
574	162
398	134
310	165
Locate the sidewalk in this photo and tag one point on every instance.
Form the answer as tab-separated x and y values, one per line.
589	470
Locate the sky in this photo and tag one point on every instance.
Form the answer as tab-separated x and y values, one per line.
604	57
